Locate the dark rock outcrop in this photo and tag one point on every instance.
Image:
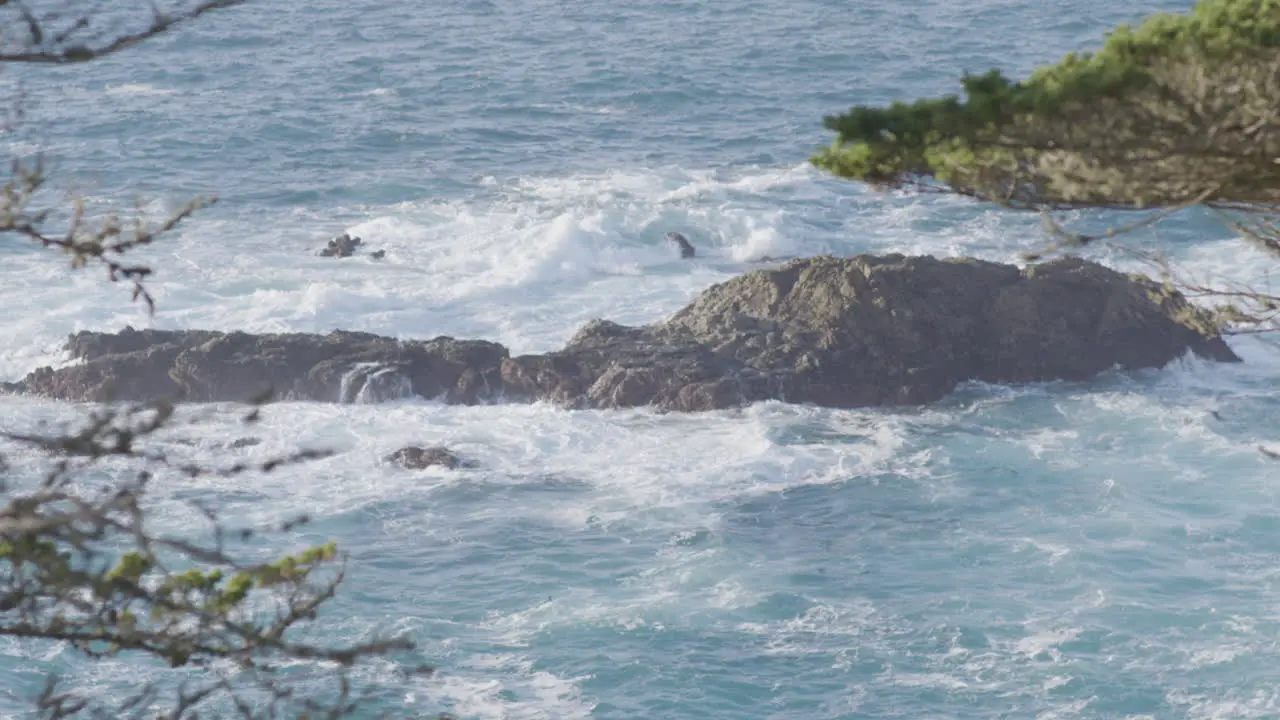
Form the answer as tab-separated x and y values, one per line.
843	332
345	246
682	242
342	246
420	458
199	366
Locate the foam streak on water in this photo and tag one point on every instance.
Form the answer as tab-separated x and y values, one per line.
1099	549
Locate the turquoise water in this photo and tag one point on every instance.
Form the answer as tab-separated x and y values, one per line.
1103	549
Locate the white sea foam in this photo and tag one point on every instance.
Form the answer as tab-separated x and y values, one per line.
533	258
138	89
570	248
1234	706
507	687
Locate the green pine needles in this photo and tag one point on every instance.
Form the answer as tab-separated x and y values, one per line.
1183	109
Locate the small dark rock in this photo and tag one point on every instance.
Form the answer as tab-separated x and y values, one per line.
245	442
378	254
342	246
682	242
420	458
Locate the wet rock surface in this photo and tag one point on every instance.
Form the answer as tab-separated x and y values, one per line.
841	332
414	457
682	243
342	246
345	246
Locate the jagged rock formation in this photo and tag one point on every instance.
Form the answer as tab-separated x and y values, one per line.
342	246
843	332
420	458
345	246
680	241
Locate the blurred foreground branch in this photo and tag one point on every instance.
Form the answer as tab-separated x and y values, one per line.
84	567
75	32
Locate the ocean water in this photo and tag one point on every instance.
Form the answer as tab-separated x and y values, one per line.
1104	549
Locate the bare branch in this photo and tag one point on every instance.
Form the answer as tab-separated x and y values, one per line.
86	569
66	48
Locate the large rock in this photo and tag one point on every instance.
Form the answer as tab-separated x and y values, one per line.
844	332
198	366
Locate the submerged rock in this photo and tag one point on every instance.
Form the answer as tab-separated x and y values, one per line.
841	332
420	458
342	246
682	242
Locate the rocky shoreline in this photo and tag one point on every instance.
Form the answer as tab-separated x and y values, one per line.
839	332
